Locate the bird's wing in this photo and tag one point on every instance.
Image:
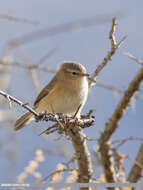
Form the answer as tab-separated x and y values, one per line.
45	91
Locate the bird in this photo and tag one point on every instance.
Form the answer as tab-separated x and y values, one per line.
66	93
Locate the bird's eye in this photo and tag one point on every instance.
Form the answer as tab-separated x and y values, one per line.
74	73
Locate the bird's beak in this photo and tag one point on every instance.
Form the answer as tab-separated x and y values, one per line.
85	74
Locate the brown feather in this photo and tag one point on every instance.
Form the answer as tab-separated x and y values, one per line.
45	91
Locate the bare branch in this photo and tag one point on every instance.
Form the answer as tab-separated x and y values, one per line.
122	141
112	51
133	58
47	56
19	102
115	89
35	79
136	171
57	171
16	19
26	66
62	28
121	107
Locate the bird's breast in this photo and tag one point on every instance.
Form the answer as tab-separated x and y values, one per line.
64	99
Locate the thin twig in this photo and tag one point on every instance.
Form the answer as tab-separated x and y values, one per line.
26	66
122	141
19	102
109	170
133	58
57	171
62	28
47	56
17	19
115	89
35	79
114	47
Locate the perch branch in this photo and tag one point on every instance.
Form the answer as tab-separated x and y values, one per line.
82	154
84	122
73	130
11	98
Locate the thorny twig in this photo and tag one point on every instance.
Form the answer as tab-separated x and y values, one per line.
64	120
112	125
114	47
74	131
84	122
9	97
109	171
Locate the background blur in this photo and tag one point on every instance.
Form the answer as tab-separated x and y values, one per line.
87	45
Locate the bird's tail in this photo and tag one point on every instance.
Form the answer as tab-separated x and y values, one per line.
22	121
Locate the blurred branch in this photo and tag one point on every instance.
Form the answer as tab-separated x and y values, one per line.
47	56
116	89
35	79
114	47
26	66
133	58
33	72
5	72
62	28
16	19
57	171
136	171
122	141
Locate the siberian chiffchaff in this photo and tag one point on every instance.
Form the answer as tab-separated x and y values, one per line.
66	92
